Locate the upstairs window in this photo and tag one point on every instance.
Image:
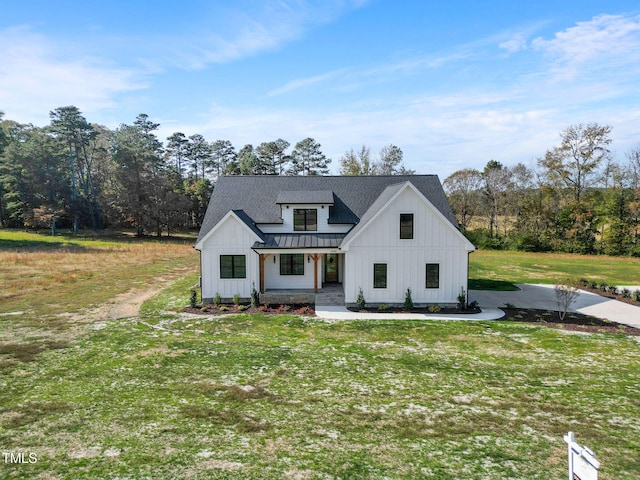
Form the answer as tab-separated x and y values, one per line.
305	219
433	275
233	266
406	226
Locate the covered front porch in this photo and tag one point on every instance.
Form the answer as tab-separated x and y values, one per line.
299	262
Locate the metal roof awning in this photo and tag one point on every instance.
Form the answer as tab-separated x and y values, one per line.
299	240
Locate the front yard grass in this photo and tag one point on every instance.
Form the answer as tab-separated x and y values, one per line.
168	395
496	269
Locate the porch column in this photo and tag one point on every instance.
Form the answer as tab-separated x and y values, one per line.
316	257
262	259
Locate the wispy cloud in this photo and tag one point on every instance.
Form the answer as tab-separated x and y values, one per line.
603	41
250	28
35	77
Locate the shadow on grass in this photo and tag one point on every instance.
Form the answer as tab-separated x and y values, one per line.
486	284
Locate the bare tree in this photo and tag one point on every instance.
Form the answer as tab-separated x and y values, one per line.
567	293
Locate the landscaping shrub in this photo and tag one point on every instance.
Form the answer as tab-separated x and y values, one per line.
434	308
360	301
217	300
236	299
383	307
408	302
255	296
193	299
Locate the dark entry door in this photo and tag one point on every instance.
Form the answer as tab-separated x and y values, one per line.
331	268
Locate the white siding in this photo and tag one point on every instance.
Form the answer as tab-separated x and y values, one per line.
287	221
232	237
273	279
434	241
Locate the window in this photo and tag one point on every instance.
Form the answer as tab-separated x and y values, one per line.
406	226
379	275
305	219
433	275
233	266
292	264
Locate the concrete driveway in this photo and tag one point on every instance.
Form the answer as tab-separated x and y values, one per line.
543	297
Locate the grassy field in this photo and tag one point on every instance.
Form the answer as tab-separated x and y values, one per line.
495	269
167	395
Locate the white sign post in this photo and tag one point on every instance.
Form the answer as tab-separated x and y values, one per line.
582	461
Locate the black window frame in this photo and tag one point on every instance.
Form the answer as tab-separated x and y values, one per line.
433	269
307	221
376	276
288	264
406	231
238	269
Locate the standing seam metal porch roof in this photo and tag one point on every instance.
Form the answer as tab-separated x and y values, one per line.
257	196
300	240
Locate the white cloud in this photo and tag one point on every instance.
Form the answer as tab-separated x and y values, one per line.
603	41
35	77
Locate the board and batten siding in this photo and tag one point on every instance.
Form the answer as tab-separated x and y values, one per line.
287	220
435	240
232	237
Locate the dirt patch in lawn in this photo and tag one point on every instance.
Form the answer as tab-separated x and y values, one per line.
573	321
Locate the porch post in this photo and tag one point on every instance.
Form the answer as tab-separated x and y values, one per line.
262	259
316	257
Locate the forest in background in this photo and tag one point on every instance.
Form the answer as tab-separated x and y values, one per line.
576	199
75	174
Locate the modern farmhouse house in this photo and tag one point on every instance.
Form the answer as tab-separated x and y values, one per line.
381	234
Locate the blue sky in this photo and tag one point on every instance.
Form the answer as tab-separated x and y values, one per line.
454	84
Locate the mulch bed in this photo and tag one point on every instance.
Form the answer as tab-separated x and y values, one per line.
572	321
211	309
423	310
620	298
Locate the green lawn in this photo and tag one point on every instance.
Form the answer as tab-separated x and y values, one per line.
169	396
523	267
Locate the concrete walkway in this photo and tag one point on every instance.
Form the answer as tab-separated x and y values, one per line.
543	297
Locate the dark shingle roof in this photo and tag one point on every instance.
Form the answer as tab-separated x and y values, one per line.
352	196
304	196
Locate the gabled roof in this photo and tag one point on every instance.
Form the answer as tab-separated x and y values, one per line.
353	196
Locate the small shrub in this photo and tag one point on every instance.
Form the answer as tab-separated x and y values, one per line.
223	308
302	310
283	308
591	284
434	308
603	286
612	289
462	299
625	293
217	300
383	307
255	296
473	304
360	301
204	309
240	308
236	299
566	293
263	308
193	299
636	295
408	302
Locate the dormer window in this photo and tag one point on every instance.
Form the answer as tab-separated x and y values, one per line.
305	219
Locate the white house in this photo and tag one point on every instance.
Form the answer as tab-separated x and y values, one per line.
381	234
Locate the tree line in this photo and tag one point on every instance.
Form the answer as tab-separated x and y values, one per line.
576	199
75	174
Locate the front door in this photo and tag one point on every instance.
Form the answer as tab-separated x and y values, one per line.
331	268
